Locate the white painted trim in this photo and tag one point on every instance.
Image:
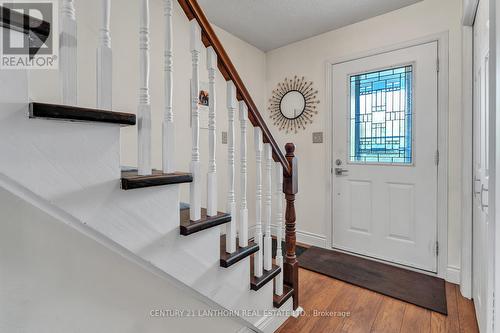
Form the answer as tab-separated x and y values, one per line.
195	165
310	238
469	12
271	323
467	171
453	276
443	123
304	237
443	100
257	228
168	125
104	62
298	312
144	106
47	207
494	185
267	211
68	66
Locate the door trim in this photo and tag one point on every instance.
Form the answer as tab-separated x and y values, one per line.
443	101
494	138
467	169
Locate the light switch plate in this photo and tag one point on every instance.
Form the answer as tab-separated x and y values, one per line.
224	138
318	137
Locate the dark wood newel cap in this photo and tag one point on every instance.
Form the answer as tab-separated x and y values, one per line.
290	149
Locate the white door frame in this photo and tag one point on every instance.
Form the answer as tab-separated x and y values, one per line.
468	17
493	198
467	169
442	191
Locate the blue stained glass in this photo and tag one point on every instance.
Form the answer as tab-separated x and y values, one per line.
381	116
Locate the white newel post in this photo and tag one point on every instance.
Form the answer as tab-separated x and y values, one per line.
278	197
68	53
243	231
105	60
168	130
231	201
144	108
195	189
258	257
268	166
212	137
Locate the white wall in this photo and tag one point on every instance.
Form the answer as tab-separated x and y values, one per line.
55	279
308	58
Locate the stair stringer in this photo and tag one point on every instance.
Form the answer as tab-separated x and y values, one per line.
70	278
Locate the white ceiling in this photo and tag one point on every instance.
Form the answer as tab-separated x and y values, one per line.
269	24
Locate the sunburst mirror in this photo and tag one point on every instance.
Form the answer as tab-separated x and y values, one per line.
293	104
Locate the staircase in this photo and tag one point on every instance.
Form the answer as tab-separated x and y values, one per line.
69	157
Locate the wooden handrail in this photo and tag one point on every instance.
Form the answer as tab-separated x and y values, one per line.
194	11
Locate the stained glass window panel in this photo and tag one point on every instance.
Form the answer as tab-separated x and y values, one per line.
381	116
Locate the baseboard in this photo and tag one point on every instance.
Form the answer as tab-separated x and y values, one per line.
303	237
453	274
310	238
271	323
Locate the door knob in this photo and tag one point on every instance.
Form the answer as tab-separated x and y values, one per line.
340	171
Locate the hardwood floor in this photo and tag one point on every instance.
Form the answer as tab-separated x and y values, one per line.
334	306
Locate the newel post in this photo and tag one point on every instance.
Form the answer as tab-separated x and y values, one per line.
290	188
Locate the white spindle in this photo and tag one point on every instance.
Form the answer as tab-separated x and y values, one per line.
258	257
195	189
212	137
231	201
168	130
278	197
268	255
104	60
68	53
144	108
243	233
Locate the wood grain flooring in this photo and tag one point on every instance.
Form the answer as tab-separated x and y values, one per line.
334	306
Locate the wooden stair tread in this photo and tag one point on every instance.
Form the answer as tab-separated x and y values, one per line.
257	283
188	227
73	113
278	301
229	259
131	180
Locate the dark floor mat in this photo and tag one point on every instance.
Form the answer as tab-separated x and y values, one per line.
422	290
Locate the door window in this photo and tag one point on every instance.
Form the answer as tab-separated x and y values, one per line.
381	117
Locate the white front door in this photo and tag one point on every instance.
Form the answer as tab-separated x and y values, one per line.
385	156
480	217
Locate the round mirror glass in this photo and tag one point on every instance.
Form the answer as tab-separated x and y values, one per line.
292	104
